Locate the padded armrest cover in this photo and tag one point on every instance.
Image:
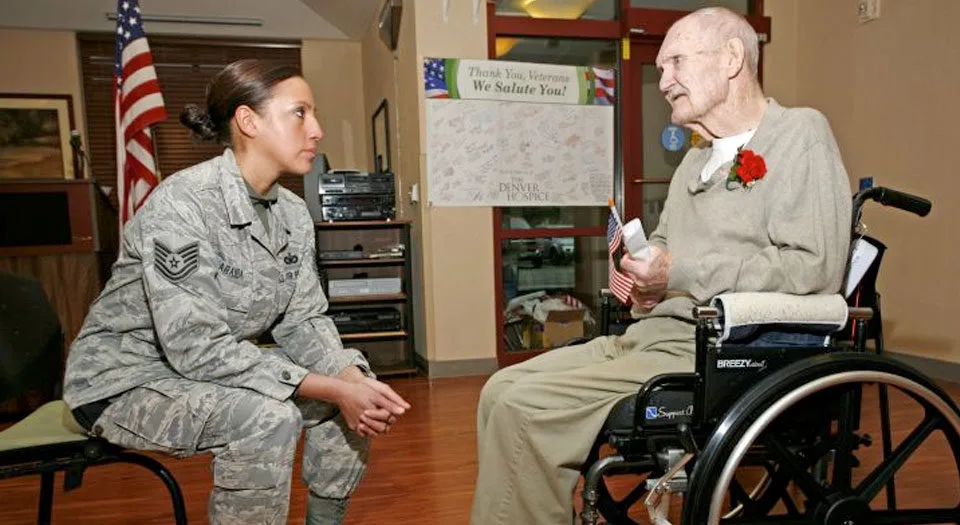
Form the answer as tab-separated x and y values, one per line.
744	312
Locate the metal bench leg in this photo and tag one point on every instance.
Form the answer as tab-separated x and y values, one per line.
157	468
45	506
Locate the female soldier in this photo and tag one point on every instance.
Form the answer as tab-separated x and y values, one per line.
217	255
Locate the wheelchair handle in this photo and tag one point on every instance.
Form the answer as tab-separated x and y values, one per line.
705	312
894	198
860	312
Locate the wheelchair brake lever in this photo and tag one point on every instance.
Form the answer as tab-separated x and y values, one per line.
686	439
658	500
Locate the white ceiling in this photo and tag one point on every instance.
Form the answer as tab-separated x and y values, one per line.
288	19
352	17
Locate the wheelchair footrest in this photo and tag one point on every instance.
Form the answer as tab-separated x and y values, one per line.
674	481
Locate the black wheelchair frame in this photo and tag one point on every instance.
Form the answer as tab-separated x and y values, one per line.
690	432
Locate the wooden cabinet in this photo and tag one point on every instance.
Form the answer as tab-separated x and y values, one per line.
365	271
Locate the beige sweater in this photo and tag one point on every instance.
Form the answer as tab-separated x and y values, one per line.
789	233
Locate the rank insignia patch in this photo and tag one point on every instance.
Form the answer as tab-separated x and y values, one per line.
176	265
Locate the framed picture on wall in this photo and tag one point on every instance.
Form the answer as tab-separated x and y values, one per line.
35	136
381	138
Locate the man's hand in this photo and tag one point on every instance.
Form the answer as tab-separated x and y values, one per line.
650	277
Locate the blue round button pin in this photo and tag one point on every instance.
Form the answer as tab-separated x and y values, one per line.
673	138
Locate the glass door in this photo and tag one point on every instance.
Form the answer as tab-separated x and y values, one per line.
655	145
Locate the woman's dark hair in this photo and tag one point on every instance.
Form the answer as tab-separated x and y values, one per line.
244	82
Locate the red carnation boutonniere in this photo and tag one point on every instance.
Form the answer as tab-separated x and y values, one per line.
748	168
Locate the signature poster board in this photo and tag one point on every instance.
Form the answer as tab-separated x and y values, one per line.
518	134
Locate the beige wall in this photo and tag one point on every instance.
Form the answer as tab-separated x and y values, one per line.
888	89
392	75
379	83
333	70
45	63
457	242
780	54
452	247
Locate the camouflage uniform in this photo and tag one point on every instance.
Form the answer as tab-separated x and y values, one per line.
167	344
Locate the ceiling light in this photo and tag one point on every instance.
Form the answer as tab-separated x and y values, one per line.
505	44
189	19
565	9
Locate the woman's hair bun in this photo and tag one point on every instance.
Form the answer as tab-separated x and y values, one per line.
199	122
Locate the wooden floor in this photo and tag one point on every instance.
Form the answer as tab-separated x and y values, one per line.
423	472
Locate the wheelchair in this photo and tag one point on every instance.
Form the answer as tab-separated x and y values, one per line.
767	429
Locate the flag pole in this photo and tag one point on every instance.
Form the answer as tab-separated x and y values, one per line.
614	212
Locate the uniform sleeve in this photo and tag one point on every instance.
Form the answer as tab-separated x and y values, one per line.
308	336
190	318
808	223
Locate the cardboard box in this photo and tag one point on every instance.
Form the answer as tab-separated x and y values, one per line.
532	334
562	326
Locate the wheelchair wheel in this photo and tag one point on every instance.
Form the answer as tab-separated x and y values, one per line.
770	416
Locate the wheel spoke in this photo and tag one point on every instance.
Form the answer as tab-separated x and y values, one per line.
766	520
872	484
634	496
843	457
803	479
777	491
789	504
738	495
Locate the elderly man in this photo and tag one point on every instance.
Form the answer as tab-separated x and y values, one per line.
764	206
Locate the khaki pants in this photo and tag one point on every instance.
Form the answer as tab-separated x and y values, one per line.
537	420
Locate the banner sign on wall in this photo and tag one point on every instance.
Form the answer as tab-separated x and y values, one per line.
518	134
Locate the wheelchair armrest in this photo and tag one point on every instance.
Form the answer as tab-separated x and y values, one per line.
671	389
741	314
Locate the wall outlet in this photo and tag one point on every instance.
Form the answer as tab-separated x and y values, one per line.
414	193
868	10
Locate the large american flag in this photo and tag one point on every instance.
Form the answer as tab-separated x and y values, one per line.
138	104
620	284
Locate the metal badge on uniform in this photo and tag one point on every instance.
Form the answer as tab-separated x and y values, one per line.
176	265
292	271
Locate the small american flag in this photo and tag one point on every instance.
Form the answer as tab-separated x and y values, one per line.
435	78
620	283
604	87
138	104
